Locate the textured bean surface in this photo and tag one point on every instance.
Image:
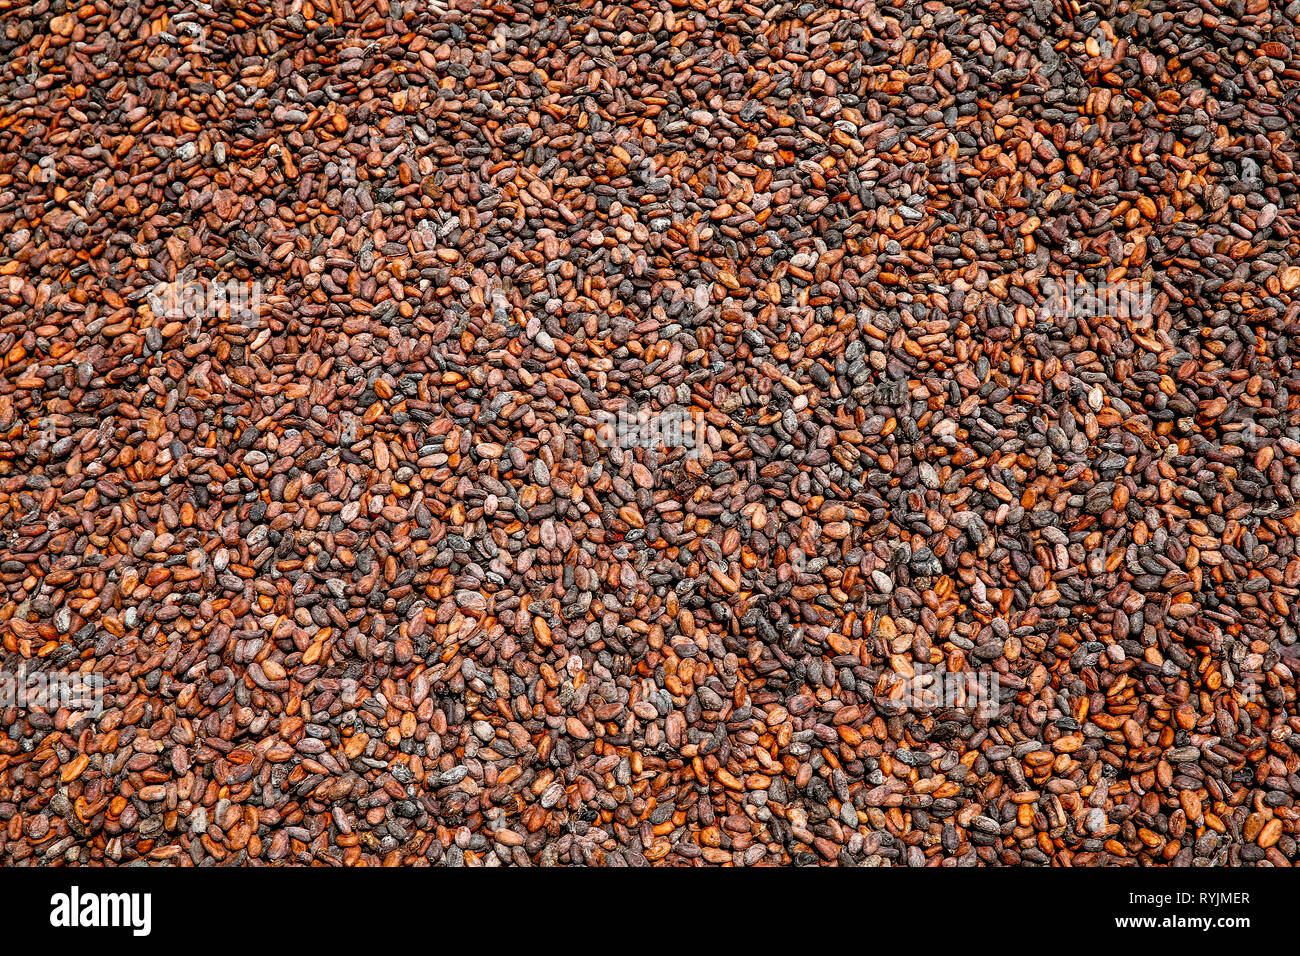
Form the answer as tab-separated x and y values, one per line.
636	402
